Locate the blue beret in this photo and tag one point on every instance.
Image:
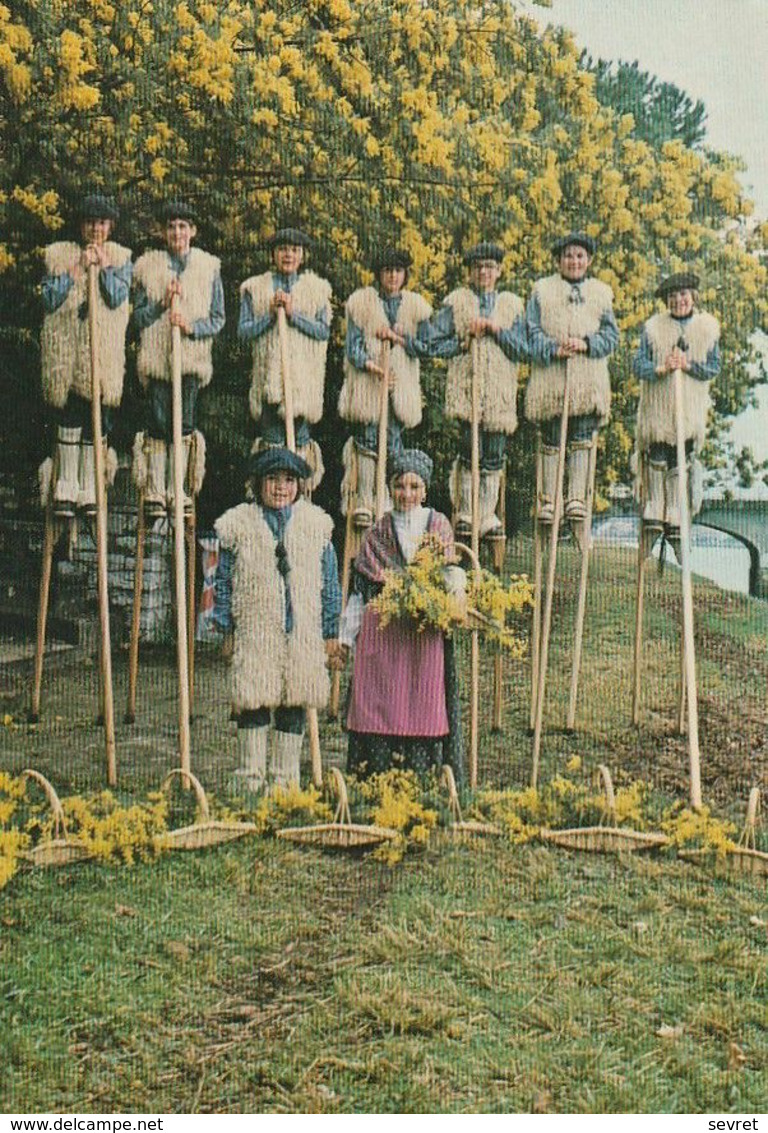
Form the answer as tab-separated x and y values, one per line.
680	281
97	206
269	461
485	250
391	258
285	236
177	210
412	460
586	242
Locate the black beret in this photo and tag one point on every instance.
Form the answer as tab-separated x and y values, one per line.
177	210
285	236
391	258
485	250
97	206
580	238
680	281
269	461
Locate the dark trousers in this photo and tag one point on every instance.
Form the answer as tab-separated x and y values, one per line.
76	414
160	395
286	719
661	453
580	428
493	448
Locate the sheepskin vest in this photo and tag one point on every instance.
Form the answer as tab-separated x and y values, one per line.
270	667
359	399
65	341
306	356
496	375
589	384
656	411
153	271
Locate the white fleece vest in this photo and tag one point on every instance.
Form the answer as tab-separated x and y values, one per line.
270	667
496	375
589	385
306	356
65	341
359	399
656	411
153	271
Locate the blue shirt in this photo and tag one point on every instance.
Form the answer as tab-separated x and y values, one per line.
416	346
544	348
147	311
251	326
114	285
446	344
644	362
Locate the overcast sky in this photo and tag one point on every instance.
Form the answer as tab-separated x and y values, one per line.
715	50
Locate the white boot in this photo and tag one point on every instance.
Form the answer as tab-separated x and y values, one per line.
578	474
251	775
86	497
365	502
653	512
67	488
490	524
186	447
154	491
546	502
286	758
461	498
672	498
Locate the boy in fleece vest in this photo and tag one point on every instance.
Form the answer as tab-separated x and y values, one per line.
65	344
684	338
384	312
570	323
192	278
495	320
306	300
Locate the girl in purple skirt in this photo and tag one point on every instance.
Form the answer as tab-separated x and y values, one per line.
403	705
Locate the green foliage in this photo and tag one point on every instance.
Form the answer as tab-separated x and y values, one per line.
662	112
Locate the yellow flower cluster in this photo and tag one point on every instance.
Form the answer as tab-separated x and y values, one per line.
112	832
690	829
504	606
395	802
15	41
44	206
12	842
290	806
418	592
73	92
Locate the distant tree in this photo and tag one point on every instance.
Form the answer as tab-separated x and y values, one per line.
662	112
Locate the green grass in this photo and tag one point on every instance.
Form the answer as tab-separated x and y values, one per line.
259	977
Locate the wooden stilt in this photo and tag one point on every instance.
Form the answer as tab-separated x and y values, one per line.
101	535
350	549
191	540
682	699
550	585
474	698
138	586
182	654
537	573
685	553
639	604
499	547
49	545
583	535
313	728
381	456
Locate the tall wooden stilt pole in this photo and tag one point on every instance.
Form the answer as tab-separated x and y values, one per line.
180	574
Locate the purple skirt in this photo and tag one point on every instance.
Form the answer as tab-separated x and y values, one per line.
398	682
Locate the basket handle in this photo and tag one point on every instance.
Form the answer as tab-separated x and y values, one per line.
449	782
604	776
342	810
747	838
59	822
202	801
470	554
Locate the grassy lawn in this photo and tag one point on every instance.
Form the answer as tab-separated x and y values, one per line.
471	978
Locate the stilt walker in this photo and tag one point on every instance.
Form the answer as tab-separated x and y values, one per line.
85	299
571	332
677	358
313	727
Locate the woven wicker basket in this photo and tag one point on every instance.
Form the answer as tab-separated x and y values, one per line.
605	839
461	827
342	833
61	849
744	858
206	831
